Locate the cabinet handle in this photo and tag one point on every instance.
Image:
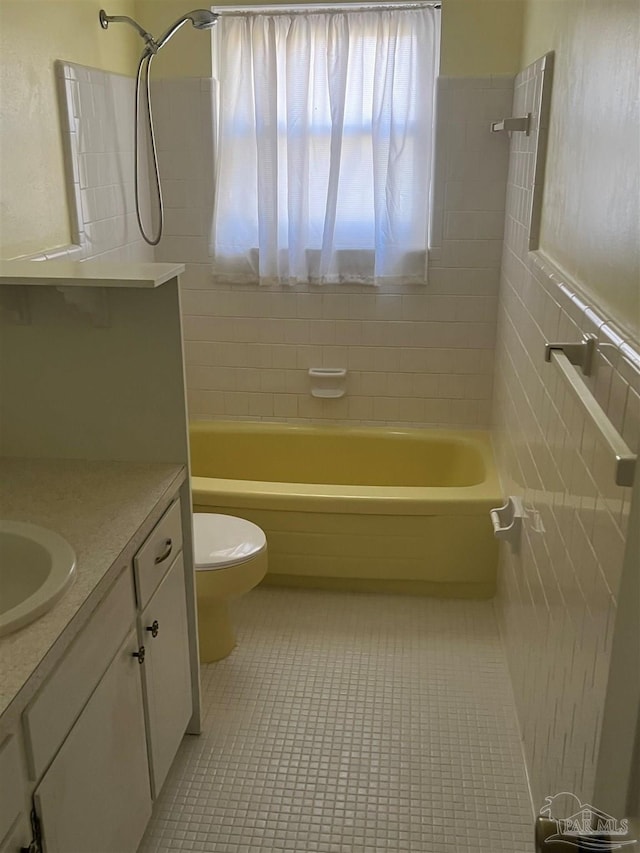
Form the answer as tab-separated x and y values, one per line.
139	654
154	628
166	553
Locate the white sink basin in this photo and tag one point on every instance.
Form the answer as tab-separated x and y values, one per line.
36	567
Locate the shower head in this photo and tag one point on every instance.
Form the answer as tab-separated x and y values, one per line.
201	19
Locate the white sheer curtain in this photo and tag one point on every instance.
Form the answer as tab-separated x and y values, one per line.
324	146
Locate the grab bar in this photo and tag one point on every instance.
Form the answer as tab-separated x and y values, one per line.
625	459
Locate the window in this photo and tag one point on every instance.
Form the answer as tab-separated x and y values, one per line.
324	148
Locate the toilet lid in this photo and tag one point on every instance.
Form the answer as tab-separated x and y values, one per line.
223	540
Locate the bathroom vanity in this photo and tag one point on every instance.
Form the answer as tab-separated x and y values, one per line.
97	693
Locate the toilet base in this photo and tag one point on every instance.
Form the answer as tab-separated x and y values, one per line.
214	589
215	634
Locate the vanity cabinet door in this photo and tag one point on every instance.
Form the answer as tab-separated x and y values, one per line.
18	837
95	797
13	793
166	673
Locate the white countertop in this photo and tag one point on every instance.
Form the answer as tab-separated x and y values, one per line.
62	273
98	507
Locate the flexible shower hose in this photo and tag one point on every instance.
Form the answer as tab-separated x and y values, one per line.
143	72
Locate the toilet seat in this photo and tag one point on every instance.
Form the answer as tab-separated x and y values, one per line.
221	541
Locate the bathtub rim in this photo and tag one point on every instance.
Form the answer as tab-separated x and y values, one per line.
370	500
480	438
320	497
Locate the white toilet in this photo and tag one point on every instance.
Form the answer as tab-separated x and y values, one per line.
230	558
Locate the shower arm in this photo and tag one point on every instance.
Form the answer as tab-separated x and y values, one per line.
105	20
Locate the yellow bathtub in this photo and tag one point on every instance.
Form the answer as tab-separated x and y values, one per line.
392	510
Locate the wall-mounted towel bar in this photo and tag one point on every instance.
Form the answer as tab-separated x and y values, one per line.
520	124
565	357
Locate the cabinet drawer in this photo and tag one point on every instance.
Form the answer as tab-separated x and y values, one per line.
49	717
158	552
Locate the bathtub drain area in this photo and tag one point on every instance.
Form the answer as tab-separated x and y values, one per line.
352	723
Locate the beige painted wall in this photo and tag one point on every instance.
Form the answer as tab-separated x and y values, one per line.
463	52
481	37
590	219
33	33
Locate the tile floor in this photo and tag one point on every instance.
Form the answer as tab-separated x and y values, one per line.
352	724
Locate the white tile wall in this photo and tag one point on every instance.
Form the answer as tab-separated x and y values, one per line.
416	355
96	111
557	598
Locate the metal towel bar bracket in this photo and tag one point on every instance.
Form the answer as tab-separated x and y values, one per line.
519	124
568	356
579	354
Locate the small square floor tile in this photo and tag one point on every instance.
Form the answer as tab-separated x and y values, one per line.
347	723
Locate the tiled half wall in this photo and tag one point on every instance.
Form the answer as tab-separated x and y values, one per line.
96	120
558	595
415	355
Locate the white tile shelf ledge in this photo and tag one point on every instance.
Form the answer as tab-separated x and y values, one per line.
87	273
83	284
